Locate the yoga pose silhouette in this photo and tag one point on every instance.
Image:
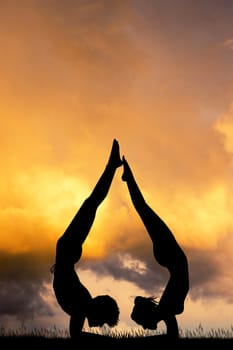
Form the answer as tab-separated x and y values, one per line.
73	297
147	312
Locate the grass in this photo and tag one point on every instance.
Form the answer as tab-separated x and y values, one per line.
55	338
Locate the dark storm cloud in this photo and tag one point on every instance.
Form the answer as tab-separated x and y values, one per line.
22	299
22	278
205	270
151	281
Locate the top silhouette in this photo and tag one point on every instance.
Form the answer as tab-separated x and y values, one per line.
147	311
71	294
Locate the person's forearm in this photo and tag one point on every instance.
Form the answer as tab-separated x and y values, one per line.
76	326
172	327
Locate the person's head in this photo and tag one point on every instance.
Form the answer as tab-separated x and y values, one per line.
103	309
144	312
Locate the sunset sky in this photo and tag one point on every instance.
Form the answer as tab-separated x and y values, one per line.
157	75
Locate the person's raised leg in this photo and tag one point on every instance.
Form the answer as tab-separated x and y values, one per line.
101	189
134	191
156	227
79	227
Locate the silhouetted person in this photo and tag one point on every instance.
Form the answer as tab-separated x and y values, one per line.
147	312
71	294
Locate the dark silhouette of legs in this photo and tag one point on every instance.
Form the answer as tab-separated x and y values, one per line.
72	295
167	252
78	229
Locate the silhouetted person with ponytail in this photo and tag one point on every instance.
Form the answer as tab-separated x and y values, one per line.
73	297
147	312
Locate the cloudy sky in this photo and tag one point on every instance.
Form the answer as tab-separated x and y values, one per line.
157	75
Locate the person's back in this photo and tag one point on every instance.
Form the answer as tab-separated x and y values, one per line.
71	294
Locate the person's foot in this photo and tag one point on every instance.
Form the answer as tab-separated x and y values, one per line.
115	158
126	169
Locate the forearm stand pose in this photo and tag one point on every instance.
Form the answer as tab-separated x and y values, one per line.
147	312
73	297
